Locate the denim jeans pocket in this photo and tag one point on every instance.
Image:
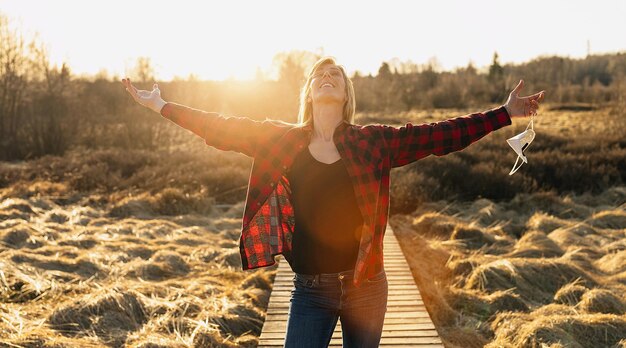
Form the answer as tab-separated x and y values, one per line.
378	278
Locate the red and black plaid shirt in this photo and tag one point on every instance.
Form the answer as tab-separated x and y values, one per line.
369	152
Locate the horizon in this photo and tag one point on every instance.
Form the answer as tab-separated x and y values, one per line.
463	33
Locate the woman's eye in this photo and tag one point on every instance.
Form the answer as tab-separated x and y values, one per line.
333	73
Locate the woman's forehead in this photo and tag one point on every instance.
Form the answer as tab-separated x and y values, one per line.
328	66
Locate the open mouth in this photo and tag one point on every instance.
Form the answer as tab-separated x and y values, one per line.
327	84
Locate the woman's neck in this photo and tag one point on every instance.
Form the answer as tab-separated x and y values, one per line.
325	120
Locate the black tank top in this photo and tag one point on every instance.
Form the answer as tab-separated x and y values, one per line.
327	218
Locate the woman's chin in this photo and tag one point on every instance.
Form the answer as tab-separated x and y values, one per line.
328	99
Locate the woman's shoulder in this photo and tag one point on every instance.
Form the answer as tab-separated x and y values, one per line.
281	123
278	127
367	129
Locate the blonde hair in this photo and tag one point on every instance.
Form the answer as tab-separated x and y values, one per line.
305	115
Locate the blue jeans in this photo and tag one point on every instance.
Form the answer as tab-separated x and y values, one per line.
317	301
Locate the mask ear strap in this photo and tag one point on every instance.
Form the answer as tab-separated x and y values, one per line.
531	124
515	167
513	170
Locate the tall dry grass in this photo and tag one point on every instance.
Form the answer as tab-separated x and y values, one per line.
574	152
73	274
140	248
524	277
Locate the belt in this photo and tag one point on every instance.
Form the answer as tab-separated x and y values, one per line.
326	277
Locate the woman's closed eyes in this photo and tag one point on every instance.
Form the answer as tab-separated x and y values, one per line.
335	73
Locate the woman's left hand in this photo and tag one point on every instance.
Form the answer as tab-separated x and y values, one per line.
518	106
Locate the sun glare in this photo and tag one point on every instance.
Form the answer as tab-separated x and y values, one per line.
238	39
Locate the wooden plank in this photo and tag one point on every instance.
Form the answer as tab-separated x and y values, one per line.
413	312
390	304
425	345
284	300
387	340
407	322
386	334
402	287
397	297
402	319
391	276
279	326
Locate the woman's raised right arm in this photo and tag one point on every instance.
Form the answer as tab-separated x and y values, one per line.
239	134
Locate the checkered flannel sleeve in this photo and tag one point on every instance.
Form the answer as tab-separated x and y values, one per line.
238	134
412	142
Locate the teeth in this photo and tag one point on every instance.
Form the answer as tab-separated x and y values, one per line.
327	84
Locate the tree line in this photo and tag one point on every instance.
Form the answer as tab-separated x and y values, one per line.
46	109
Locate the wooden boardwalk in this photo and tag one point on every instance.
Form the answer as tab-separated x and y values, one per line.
407	323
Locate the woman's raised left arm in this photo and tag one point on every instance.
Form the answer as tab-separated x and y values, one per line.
412	142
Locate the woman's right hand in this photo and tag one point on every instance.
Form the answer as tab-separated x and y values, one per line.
150	99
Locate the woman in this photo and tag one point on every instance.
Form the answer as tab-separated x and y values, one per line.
319	195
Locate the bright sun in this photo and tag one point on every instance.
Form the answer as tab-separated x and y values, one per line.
238	39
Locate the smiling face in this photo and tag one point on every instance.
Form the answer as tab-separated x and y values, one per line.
315	91
328	85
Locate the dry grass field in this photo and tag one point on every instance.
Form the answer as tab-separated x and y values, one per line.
538	269
112	248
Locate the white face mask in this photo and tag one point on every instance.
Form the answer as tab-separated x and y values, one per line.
520	143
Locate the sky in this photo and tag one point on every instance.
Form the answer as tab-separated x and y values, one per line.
218	40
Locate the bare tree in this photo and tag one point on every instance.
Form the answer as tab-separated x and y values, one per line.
48	116
291	67
13	83
33	99
143	71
